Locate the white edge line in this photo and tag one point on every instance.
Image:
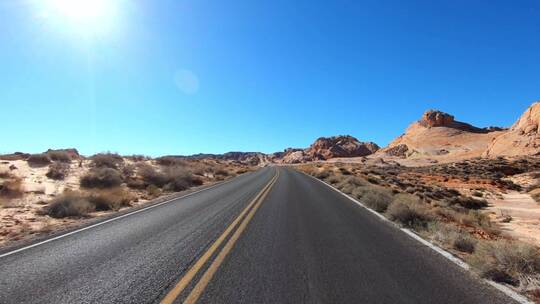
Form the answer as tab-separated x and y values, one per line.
111	220
502	288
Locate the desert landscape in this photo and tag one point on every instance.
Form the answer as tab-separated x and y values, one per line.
59	189
473	191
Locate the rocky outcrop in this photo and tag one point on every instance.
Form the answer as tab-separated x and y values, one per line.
438	135
325	148
523	138
340	146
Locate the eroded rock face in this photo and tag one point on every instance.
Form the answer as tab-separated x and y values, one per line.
340	146
433	118
328	147
522	138
438	135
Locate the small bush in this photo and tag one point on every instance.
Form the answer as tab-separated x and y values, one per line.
11	187
38	160
505	261
101	178
69	204
222	172
376	198
107	160
464	242
58	171
153	190
111	199
151	176
171	179
321	174
407	210
179	179
468	202
59	156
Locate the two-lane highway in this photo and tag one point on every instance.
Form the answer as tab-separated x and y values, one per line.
272	236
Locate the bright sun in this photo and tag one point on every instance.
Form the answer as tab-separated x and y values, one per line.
90	16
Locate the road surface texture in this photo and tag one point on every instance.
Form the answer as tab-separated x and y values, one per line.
271	236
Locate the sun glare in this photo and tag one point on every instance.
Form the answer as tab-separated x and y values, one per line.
88	15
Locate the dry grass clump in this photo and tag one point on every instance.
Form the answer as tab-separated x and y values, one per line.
59	156
375	197
407	209
38	160
58	171
506	261
80	204
107	160
170	178
451	236
101	178
468	202
70	204
10	186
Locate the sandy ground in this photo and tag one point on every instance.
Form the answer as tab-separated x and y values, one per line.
524	212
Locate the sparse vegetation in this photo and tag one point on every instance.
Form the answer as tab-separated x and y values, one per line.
38	160
69	205
103	177
79	204
10	186
59	156
505	261
107	160
58	171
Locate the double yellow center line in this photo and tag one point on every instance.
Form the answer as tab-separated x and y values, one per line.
207	276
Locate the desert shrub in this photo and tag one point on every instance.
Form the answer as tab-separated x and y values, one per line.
407	210
222	172
321	174
59	156
334	179
58	171
153	190
38	160
242	171
179	179
101	178
110	199
11	187
107	160
135	183
464	242
170	161
69	204
349	183
505	261
128	170
151	176
375	197
468	202
171	179
377	200
475	218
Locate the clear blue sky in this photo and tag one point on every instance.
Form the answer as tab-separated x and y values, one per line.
182	77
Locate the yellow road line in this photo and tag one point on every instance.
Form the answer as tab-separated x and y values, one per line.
186	279
207	276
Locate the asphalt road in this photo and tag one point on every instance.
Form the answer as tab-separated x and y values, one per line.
272	236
